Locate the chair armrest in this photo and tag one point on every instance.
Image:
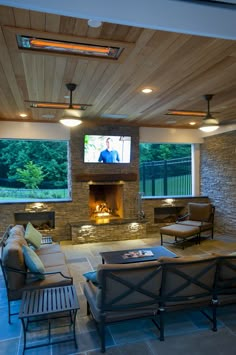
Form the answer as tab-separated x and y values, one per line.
38	273
182	218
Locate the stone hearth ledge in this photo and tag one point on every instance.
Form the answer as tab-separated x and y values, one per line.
120	229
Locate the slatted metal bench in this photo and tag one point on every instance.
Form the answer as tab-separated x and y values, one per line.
47	304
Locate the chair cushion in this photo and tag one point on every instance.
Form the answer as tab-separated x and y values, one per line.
199	211
33	262
33	236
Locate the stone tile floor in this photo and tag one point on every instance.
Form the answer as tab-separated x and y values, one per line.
186	332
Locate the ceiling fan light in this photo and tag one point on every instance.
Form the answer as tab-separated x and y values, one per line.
208	128
70	122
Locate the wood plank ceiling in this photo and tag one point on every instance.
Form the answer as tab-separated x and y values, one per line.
180	69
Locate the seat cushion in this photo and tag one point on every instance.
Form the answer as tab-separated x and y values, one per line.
48	249
202	225
51	280
50	260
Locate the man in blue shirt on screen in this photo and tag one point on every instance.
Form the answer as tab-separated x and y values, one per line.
109	155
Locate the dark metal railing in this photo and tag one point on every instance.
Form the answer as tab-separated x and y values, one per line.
166	177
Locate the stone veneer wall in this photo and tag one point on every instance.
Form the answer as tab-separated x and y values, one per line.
218	178
77	210
149	204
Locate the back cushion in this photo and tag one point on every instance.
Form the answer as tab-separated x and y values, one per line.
13	257
17	233
227	270
178	271
199	211
18	229
123	283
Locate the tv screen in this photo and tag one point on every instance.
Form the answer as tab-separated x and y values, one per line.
107	149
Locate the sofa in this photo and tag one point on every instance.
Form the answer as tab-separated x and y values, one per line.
151	289
18	260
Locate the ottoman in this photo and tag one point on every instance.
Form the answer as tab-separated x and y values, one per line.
180	231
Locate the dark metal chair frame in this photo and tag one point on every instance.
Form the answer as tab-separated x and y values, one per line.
202	229
113	305
171	301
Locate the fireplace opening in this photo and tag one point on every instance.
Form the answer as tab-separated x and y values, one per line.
105	202
40	220
167	214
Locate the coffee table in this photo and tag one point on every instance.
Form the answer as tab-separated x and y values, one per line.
117	257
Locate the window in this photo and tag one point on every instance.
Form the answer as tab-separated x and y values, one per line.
165	169
33	170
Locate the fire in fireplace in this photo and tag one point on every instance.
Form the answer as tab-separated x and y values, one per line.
105	202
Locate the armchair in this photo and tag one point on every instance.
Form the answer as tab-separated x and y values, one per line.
123	291
199	215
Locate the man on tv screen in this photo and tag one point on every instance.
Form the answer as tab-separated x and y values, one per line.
109	155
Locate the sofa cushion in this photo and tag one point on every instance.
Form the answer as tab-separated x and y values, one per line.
33	262
51	280
55	259
13	258
199	211
48	249
33	236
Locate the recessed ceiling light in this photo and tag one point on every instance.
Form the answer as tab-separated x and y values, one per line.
23	115
147	90
94	23
192	123
66	97
48	116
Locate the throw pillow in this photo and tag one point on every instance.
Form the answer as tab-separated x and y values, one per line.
33	262
91	276
33	236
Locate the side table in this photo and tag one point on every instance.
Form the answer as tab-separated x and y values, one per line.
49	303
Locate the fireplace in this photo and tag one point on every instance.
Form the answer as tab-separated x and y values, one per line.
40	220
168	214
105	202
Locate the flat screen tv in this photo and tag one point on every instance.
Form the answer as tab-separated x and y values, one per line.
107	149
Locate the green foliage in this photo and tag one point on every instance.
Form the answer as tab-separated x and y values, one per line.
156	152
31	175
50	155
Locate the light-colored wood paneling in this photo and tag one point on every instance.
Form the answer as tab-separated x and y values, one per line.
180	68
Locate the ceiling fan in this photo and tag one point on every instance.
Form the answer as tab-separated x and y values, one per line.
209	123
59	105
71	116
